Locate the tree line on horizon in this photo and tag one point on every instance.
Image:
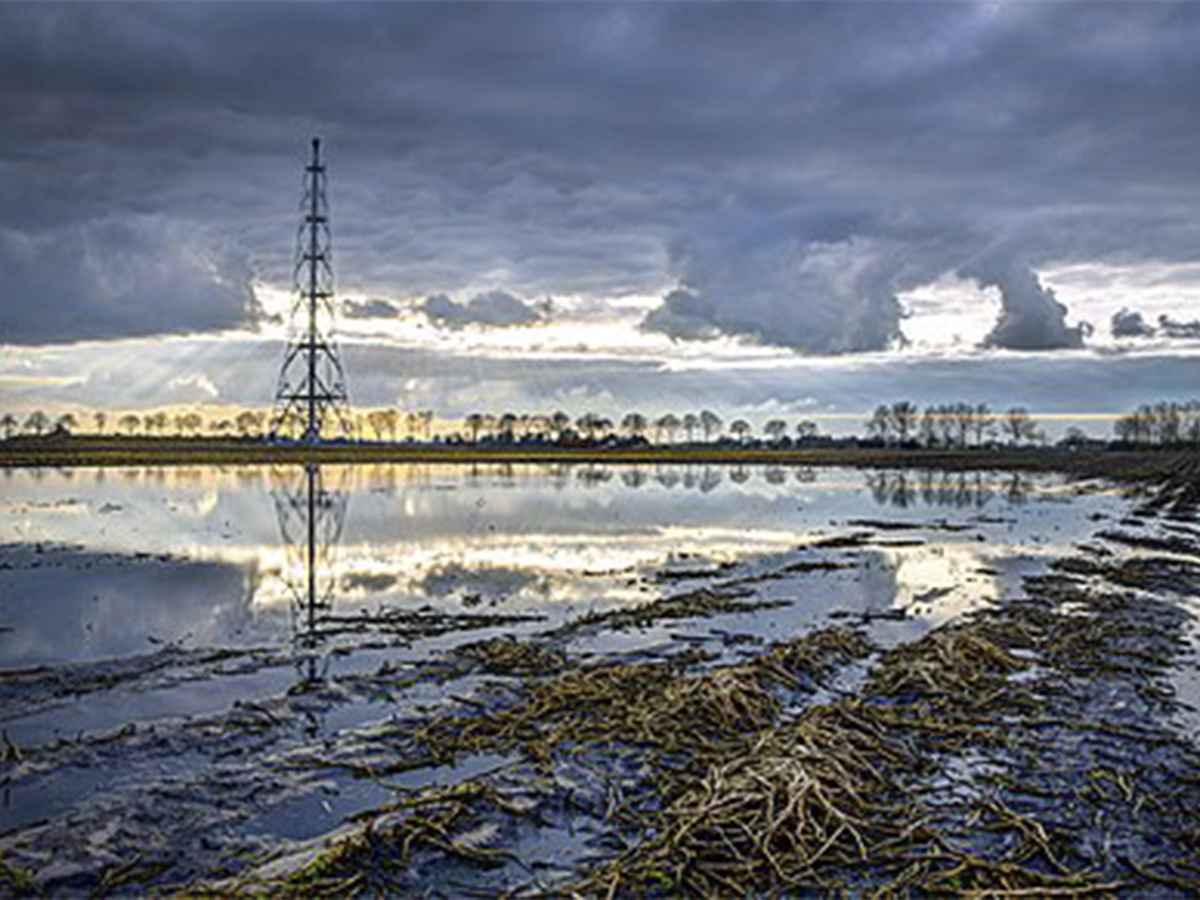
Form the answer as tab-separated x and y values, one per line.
951	425
418	425
1158	424
899	424
559	427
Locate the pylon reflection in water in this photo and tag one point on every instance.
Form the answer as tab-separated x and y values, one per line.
310	504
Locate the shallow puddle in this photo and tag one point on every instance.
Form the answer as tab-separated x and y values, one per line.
226	653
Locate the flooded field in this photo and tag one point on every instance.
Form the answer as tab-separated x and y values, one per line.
605	679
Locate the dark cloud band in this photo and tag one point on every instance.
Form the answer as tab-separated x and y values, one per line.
794	167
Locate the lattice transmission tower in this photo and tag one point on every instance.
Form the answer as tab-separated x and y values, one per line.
311	398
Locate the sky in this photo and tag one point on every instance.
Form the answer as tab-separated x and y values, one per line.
769	210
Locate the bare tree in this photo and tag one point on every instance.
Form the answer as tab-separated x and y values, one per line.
249	422
66	424
983	423
690	423
383	421
586	425
880	424
634	424
963	416
539	427
424	419
1160	423
593	426
1191	421
559	422
156	421
710	424
391	423
474	425
668	425
129	423
507	426
37	423
8	422
928	432
1018	425
776	429
1170	422
904	420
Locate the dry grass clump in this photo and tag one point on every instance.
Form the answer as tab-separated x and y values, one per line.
951	662
844	797
643	703
508	656
955	667
452	820
940	874
647	703
875	792
722	704
699	603
814	656
785	810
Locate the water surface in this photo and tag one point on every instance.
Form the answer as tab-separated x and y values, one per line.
179	643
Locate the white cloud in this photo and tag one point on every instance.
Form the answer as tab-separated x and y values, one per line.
194	387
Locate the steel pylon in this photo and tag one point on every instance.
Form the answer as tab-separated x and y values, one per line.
311	399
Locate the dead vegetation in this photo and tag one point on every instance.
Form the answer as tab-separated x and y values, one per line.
1175	487
878	791
988	757
775	812
508	656
1020	750
704	601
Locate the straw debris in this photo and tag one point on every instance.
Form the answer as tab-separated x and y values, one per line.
699	603
508	656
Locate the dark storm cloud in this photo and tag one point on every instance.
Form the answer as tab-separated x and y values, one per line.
118	276
495	308
1128	323
1176	329
791	167
1031	318
370	309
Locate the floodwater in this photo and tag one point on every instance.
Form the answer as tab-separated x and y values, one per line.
188	656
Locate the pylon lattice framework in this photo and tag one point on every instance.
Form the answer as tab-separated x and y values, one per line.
312	384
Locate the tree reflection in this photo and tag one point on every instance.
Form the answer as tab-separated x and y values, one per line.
962	490
593	474
774	475
633	477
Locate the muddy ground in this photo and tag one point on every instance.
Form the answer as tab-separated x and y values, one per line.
1040	745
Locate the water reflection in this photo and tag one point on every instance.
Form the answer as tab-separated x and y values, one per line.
127	561
960	490
310	505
